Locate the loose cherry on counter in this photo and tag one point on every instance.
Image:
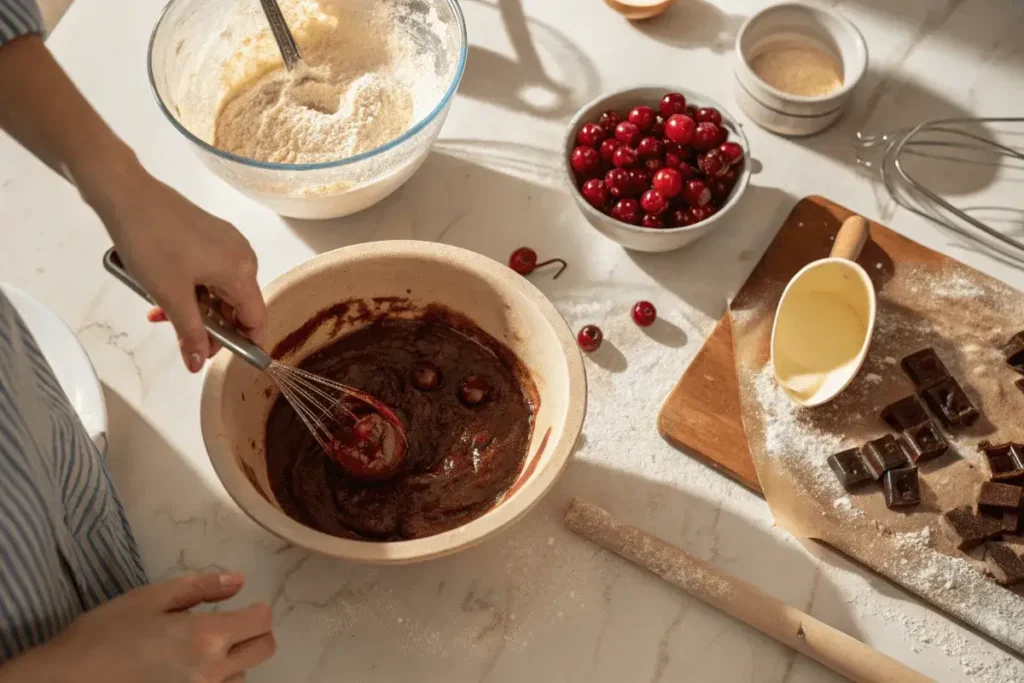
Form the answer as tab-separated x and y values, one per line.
644	313
524	261
585	161
591	135
590	338
680	129
627	211
628	133
642	117
624	157
595	192
672	103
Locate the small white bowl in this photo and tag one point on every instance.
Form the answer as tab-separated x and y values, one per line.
797	24
237	399
634	236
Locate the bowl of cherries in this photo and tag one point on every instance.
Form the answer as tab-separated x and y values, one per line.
655	168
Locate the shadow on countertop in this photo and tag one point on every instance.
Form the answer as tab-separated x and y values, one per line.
693	24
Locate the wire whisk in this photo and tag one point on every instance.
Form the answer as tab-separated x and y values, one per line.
356	430
961	141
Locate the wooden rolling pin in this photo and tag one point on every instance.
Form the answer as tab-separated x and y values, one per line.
737	598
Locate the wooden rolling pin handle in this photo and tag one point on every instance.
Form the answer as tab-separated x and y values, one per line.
737	598
852	237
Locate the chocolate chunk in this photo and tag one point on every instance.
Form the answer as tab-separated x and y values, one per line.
1016	543
926	441
1004	564
1005	461
1015	353
902	487
995	497
850	468
924	368
948	401
885	454
965	528
1004	522
904	413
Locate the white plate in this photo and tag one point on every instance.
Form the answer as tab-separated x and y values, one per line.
69	361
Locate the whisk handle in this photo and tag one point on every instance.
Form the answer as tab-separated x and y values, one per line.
219	328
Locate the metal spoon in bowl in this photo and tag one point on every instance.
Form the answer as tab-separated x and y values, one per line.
282	34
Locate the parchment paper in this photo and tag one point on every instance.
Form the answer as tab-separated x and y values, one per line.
967	317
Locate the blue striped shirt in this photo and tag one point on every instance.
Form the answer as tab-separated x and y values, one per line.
65	544
19	18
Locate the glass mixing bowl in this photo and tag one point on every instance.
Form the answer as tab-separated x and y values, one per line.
201	51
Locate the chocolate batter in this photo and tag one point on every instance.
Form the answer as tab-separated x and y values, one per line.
465	402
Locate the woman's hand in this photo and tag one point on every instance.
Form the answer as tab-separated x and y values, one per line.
148	636
172	247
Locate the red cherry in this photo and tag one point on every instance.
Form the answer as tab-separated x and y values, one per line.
524	261
642	117
639	180
607	148
691	111
688	171
644	313
652	221
595	192
658	127
585	161
680	129
680	218
653	202
650	148
672	103
591	135
712	163
627	211
706	136
668	182
654	165
624	157
720	190
590	338
709	115
628	133
618	183
609	120
731	152
696	193
673	160
700	213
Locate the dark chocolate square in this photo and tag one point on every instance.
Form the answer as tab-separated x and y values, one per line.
924	368
902	488
1015	352
926	441
996	497
950	404
885	454
1005	461
904	413
965	528
850	468
1004	564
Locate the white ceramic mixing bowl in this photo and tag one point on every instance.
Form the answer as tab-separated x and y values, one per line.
237	399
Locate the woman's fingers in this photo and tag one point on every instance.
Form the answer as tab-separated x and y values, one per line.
185	592
250	653
182	309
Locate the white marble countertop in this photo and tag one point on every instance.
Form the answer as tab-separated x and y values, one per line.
535	603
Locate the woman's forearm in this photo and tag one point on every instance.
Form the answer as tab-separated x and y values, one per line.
43	110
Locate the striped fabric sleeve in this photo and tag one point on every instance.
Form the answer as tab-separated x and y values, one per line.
19	18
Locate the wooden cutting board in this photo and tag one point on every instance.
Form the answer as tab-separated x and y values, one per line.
702	414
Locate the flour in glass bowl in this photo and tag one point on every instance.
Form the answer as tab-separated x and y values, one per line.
357	90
